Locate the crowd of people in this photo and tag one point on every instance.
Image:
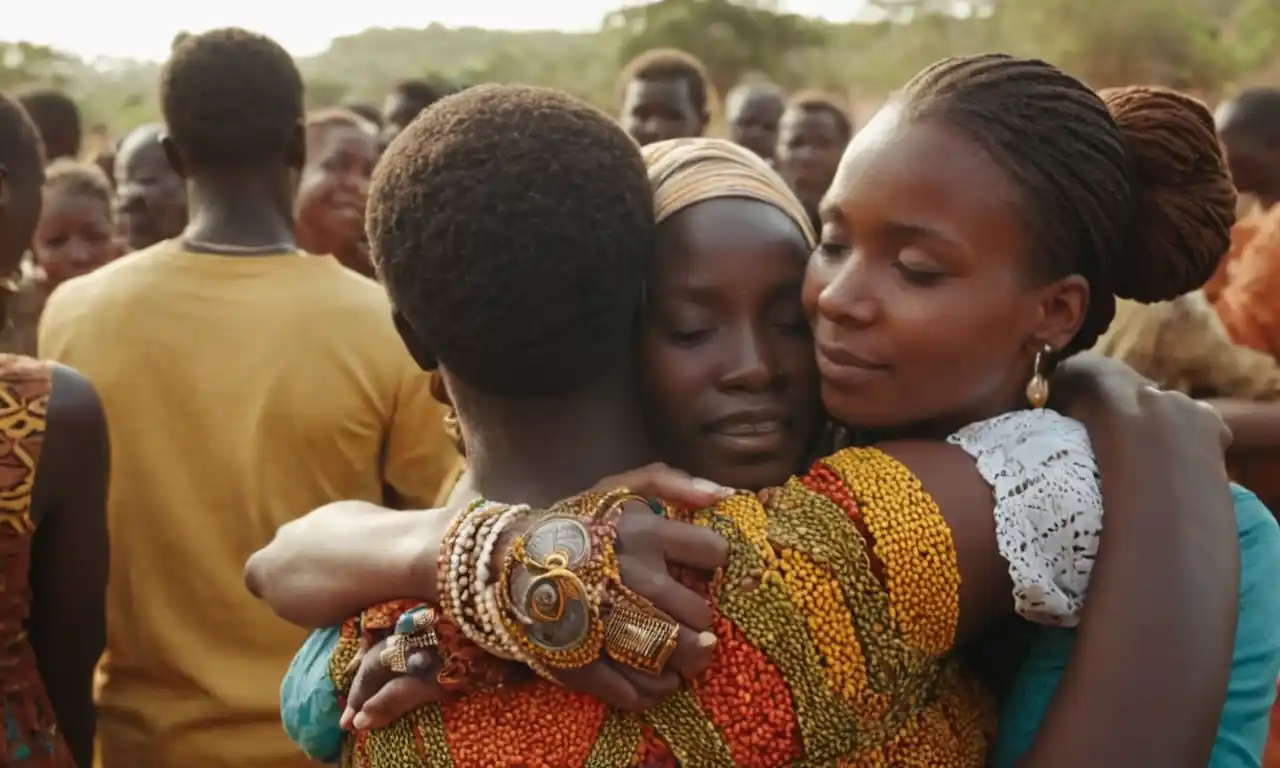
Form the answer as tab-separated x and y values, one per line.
486	428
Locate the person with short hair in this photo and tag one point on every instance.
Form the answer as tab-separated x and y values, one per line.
812	135
664	93
245	381
58	119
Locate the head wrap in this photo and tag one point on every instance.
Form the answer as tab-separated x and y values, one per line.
685	172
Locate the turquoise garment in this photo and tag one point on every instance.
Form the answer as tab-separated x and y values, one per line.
1242	732
309	701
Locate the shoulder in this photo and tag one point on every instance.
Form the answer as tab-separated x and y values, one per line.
1026	441
82	291
1048	506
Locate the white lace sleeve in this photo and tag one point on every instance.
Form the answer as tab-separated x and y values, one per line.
1048	507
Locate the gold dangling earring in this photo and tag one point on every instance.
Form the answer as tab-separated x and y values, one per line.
1038	387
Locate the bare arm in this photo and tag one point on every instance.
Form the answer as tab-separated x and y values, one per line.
1148	678
69	556
325	567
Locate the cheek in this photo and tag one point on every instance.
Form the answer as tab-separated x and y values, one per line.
954	348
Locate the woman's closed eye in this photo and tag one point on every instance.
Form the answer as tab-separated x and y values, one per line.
688	337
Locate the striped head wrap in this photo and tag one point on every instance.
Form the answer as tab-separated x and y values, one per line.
685	172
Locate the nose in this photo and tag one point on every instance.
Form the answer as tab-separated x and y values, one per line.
79	254
748	367
848	298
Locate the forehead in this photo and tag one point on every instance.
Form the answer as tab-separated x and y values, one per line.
667	91
64	203
757	103
923	173
720	240
141	150
809	120
339	137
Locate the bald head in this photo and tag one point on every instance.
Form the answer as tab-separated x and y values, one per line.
1249	126
151	196
753	111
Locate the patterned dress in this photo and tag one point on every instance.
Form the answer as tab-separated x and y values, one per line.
30	737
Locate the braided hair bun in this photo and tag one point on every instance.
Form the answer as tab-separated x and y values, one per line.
1183	200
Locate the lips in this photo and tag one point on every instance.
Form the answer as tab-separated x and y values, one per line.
753	432
841	368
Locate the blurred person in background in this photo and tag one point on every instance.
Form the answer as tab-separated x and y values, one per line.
57	118
665	94
53	533
753	111
75	235
245	382
812	135
151	197
342	149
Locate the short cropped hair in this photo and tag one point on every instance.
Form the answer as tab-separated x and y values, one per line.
512	226
671	64
231	98
57	117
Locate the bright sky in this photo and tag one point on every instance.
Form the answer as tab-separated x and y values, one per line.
143	29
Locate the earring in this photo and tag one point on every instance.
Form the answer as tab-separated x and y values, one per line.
1038	387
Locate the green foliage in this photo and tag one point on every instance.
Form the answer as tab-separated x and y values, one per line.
1207	46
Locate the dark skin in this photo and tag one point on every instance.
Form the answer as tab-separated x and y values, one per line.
910	272
151	198
753	113
74	237
243	208
1253	157
332	193
729	384
810	143
950	476
397	112
68	572
658	109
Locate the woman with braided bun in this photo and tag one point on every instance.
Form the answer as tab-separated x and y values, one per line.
904	351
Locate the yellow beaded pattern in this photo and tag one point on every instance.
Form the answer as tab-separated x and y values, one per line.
842	586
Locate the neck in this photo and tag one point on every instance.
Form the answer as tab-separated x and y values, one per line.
238	210
538	451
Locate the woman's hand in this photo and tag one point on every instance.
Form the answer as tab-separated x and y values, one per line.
1114	401
648	545
379	697
659	481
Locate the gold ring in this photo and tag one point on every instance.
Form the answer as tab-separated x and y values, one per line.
396	653
640	637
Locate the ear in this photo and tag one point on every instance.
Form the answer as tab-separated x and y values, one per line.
174	157
422	354
704	120
1062	305
297	152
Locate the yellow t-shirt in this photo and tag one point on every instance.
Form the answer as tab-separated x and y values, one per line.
240	392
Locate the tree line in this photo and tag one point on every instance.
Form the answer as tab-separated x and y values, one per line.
1204	46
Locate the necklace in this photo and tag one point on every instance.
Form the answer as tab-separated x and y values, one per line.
281	247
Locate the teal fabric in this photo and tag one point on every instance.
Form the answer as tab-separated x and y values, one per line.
1242	732
308	700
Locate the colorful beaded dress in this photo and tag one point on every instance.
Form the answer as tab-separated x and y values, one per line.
834	618
31	736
